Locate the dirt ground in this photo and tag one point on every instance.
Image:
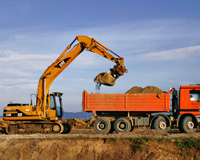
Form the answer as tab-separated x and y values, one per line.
85	144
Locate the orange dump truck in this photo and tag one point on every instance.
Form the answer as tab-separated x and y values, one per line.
123	112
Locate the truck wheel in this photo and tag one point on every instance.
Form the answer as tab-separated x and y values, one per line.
102	125
188	125
122	125
160	124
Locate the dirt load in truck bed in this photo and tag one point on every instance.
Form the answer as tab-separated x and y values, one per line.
148	89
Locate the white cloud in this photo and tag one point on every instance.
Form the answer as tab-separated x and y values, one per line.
9	71
88	59
18	37
8	83
181	82
174	54
19	63
18	70
4	87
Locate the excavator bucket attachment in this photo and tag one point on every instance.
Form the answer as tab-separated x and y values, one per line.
105	78
109	79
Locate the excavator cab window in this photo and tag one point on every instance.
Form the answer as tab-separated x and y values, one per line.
52	102
56	103
58	106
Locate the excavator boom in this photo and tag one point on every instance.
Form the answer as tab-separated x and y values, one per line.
67	56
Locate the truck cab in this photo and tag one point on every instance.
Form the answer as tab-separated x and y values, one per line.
189	99
188	113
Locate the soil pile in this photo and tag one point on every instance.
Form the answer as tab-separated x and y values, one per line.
93	149
79	124
3	123
148	89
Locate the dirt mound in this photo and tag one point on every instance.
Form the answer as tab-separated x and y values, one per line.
3	123
135	89
79	124
148	89
93	149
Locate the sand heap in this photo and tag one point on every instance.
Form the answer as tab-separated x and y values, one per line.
78	123
148	89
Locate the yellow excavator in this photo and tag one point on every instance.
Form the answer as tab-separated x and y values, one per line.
46	115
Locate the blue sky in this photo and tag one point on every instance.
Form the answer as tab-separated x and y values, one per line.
159	40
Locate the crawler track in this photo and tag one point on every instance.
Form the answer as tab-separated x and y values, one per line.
37	127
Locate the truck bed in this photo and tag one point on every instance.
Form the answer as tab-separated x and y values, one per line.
126	102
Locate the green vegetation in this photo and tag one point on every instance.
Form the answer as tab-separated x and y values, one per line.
189	142
139	143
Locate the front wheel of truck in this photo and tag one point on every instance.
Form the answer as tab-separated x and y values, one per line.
188	125
102	125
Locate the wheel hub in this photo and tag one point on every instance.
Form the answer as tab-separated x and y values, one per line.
56	128
101	125
122	125
162	125
190	125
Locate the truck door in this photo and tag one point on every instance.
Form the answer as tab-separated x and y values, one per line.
194	101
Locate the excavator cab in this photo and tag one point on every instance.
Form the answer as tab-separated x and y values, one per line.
56	106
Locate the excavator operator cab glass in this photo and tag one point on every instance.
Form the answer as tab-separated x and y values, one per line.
56	103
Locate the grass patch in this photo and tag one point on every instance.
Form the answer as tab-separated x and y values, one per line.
138	143
188	142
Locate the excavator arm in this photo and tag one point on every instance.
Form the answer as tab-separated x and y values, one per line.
94	46
67	56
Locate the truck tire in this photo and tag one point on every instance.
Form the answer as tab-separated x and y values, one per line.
160	124
188	125
102	125
122	125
